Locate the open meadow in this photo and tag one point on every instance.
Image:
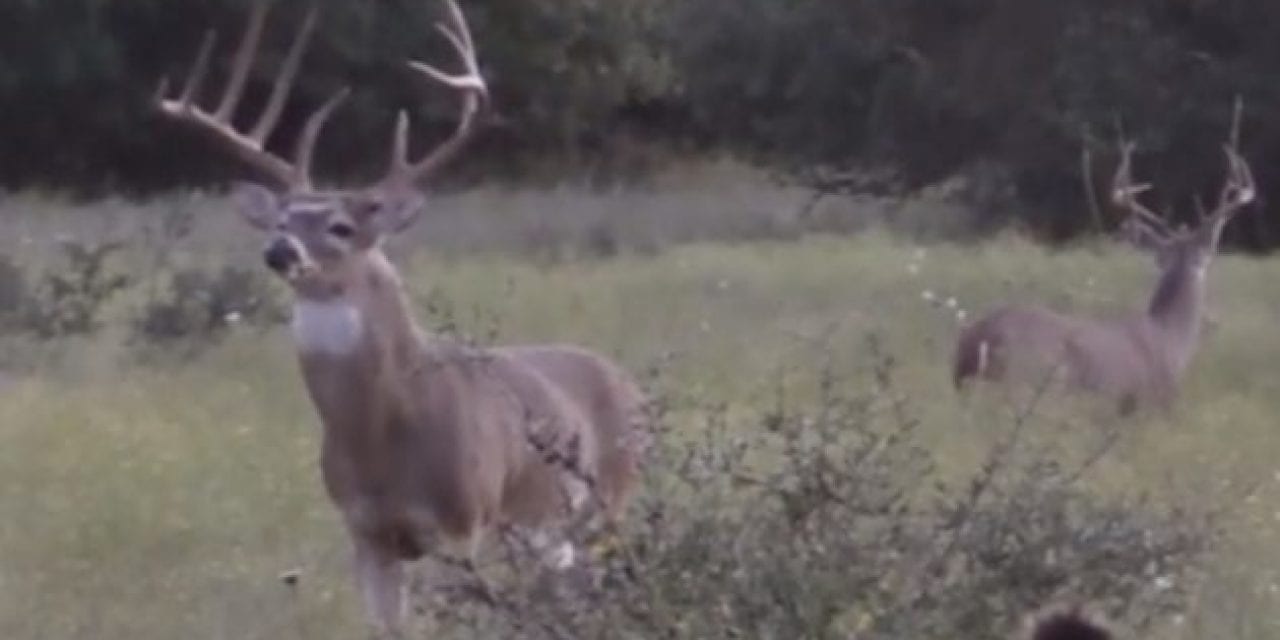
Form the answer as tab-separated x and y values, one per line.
158	472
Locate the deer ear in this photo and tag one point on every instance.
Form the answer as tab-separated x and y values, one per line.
399	211
258	205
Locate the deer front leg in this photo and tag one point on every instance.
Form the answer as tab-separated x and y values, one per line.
381	579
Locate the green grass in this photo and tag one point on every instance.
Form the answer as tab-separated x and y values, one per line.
161	501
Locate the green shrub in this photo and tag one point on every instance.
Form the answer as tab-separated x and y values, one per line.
70	299
827	518
198	307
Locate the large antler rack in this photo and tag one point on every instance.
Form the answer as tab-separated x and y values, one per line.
1238	190
250	145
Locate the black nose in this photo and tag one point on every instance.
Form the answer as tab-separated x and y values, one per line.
280	255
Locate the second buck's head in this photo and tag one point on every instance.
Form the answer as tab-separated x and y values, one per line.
316	235
1183	249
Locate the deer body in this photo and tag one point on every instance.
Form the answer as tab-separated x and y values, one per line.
428	444
1133	358
424	436
1137	359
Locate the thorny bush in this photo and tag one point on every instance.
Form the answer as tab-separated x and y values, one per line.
826	517
70	300
199	306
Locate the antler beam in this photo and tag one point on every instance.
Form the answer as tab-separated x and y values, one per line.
1124	194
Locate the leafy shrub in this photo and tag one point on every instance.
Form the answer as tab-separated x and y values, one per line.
199	306
70	300
14	293
828	519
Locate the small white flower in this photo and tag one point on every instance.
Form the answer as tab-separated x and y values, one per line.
927	295
232	317
952	303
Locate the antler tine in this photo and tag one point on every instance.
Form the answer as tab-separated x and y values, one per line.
1124	194
284	82
243	59
200	69
403	172
311	133
1239	189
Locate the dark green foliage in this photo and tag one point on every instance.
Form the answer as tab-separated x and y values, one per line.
76	77
902	93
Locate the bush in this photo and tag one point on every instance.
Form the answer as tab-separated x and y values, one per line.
829	519
199	307
14	294
70	300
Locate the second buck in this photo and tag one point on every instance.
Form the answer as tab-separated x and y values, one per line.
1136	359
428	445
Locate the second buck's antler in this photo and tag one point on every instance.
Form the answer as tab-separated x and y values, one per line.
1238	190
1142	223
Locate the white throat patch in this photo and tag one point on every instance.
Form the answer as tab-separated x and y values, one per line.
332	327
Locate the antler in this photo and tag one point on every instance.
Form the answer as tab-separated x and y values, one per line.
1124	194
1239	189
403	172
251	146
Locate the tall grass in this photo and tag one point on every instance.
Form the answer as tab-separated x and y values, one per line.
162	497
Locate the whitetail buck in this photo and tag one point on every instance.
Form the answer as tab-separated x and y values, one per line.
1138	359
428	445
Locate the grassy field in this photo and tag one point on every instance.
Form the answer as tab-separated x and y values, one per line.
160	499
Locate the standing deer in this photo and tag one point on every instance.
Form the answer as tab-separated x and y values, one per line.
1137	359
428	445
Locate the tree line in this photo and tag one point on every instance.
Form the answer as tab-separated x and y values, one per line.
1020	98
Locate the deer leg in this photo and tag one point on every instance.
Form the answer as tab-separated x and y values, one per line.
381	579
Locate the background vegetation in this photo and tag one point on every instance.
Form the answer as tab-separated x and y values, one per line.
815	475
846	95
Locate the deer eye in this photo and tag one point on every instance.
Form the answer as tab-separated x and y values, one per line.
342	230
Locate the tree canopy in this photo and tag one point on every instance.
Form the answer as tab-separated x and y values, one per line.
1006	91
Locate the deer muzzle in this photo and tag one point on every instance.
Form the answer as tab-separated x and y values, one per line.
282	256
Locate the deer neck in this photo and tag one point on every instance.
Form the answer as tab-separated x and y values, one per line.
359	346
1175	313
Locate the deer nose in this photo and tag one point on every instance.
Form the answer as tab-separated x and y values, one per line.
280	255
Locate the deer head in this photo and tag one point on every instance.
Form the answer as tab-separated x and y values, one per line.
315	234
1192	247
